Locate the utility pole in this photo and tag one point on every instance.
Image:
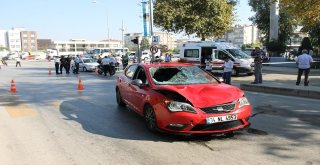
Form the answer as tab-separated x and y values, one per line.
122	30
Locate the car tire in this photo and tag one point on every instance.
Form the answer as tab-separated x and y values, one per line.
249	74
234	72
119	98
150	119
85	69
229	135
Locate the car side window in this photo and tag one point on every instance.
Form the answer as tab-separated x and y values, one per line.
220	54
130	71
141	74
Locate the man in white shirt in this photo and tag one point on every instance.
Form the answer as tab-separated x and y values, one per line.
18	61
227	70
106	64
304	62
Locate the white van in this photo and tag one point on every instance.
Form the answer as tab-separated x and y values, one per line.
201	52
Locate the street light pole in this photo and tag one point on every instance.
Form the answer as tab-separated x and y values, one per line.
122	30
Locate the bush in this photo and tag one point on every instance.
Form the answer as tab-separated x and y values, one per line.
276	47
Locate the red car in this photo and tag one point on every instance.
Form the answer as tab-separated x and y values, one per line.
182	98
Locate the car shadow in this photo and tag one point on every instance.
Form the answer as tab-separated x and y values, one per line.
118	122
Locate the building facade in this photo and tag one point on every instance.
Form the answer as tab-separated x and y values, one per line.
3	38
44	44
29	41
164	39
241	35
14	39
79	46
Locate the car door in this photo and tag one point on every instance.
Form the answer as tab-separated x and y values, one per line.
81	64
125	83
139	94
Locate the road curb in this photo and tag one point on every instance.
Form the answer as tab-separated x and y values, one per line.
306	93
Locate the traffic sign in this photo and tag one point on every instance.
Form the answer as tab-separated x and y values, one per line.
155	40
154	49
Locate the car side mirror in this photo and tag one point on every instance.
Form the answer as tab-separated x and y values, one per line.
138	83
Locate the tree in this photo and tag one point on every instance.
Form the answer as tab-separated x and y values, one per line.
163	48
144	45
306	11
287	24
204	18
305	44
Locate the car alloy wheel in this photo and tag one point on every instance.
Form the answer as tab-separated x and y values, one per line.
150	118
234	72
119	98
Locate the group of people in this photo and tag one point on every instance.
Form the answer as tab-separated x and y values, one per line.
108	63
66	63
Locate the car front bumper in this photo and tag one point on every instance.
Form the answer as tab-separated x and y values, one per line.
190	123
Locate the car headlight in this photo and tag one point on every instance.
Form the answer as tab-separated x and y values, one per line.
243	101
175	106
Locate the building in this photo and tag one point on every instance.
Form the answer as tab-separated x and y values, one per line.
3	38
14	39
241	35
164	39
79	46
44	44
29	41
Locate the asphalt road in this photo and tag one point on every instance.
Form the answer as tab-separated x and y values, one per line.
49	122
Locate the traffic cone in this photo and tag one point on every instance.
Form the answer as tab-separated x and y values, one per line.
13	87
96	71
49	71
80	85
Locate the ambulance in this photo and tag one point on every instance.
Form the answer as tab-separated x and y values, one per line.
204	53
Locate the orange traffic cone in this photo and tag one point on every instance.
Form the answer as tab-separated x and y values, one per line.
49	71
13	87
80	85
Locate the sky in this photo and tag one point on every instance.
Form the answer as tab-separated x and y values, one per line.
62	20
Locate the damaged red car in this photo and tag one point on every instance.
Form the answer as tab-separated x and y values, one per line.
182	98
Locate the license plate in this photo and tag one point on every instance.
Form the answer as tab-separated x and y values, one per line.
218	119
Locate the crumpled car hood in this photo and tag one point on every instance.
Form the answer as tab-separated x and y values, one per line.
206	95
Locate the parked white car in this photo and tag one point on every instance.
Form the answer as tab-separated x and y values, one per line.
88	64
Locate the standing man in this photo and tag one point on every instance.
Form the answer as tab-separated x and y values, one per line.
56	64
106	65
76	63
18	62
63	62
167	57
258	56
125	61
227	70
68	63
304	62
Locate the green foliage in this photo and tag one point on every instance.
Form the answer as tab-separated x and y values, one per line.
305	44
176	50
275	46
163	48
204	18
306	11
315	35
3	48
144	45
287	23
